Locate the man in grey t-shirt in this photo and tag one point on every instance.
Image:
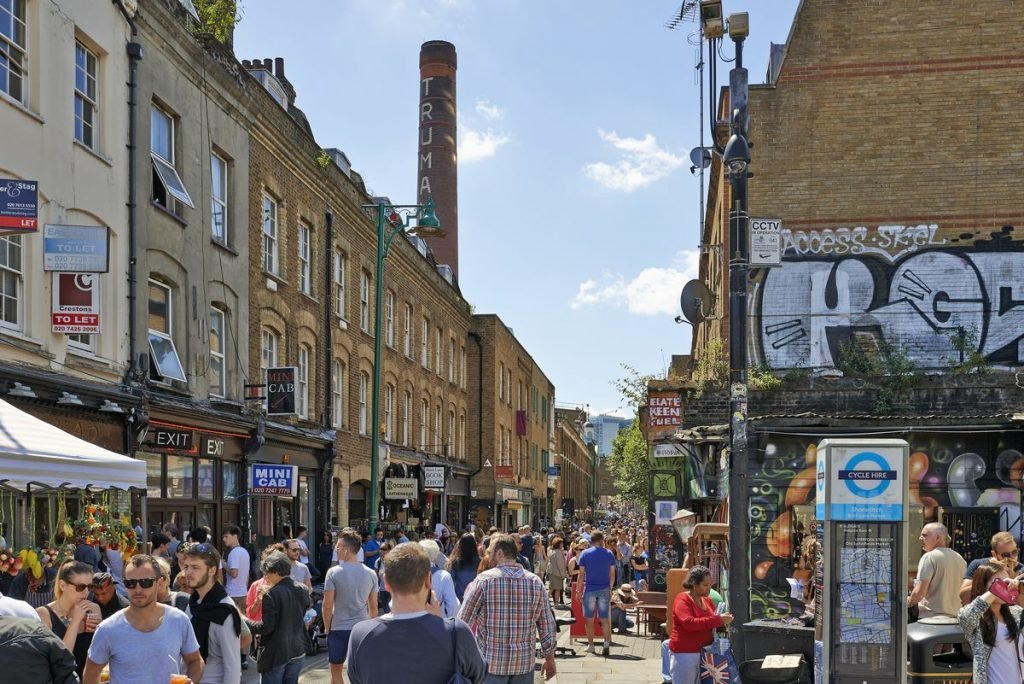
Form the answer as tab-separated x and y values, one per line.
350	596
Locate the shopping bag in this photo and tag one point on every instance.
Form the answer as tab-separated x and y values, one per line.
718	664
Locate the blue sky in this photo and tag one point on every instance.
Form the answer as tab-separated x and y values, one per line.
578	216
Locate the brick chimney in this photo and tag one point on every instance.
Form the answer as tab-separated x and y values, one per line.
437	173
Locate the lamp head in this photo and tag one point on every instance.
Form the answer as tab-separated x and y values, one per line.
427	223
737	155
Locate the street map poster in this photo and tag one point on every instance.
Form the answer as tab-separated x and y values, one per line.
865	582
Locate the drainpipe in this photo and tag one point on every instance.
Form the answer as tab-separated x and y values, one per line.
328	365
134	50
480	405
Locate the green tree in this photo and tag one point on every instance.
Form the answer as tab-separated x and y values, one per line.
218	18
629	464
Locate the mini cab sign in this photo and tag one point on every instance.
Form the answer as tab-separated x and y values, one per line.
281	391
267	479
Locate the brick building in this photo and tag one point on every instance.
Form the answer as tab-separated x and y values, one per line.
890	152
575	490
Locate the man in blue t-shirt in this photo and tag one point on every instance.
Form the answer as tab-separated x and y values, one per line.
597	576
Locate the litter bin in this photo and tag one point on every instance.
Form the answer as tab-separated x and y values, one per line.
937	652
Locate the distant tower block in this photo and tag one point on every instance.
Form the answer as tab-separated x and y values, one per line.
437	174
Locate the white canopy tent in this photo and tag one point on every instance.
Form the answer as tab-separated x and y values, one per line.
35	454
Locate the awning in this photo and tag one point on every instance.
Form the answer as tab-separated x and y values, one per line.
34	453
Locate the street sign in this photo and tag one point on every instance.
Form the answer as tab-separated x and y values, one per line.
554	470
765	242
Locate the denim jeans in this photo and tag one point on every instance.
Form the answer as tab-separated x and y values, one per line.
596	603
619	620
525	678
679	668
284	674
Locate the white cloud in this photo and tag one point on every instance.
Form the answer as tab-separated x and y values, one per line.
654	291
489	111
642	163
476	145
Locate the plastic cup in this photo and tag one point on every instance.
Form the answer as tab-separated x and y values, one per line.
179	679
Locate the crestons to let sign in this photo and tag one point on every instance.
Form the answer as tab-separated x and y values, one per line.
273	480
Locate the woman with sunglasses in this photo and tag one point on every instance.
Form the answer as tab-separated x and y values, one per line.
72	616
992	625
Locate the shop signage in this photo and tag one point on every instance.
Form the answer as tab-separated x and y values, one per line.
503	471
552	482
527	496
765	242
866	484
554	470
19	205
433	477
664	409
214	446
82	249
670	450
169	438
273	480
510	494
400	488
281	391
76	303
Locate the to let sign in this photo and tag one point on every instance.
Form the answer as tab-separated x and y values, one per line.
765	241
76	303
281	391
19	204
400	488
664	409
273	480
82	249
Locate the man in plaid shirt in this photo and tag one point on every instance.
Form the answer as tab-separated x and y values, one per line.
508	607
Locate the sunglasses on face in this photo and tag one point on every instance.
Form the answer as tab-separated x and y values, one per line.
146	582
1010	554
78	587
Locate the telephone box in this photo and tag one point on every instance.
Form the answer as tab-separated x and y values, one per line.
860	610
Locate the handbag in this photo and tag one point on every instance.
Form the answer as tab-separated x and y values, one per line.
457	677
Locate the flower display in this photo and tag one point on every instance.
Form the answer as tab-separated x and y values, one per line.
10	562
101	526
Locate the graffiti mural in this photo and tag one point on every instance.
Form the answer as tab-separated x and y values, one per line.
902	285
983	471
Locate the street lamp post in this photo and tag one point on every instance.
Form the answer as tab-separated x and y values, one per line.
736	158
394	216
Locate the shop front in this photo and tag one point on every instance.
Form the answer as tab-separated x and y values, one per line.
456	494
422	493
513	507
193	476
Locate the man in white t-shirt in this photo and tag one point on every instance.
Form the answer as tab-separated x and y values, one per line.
300	539
300	572
236	566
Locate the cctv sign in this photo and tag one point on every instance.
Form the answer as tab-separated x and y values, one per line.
765	242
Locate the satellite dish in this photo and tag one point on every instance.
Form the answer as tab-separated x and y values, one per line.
700	157
695	301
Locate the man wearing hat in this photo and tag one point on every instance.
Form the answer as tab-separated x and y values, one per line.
623	598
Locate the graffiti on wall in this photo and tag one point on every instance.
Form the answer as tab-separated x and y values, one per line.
981	471
900	285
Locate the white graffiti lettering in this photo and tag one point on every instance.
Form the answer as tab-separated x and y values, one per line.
892	240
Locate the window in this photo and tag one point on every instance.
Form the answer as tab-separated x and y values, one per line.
424	411
462	369
305	283
338	394
508	384
268	351
451	360
449	438
438	353
12	49
437	430
407	331
166	363
389	319
219	199
389	412
11	281
364	301
218	383
271	260
80	341
406	418
302	383
462	436
364	381
167	185
340	269
425	343
501	381
85	95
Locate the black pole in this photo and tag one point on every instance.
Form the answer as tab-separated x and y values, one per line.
323	505
739	532
134	49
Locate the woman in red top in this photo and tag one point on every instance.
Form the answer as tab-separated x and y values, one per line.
693	622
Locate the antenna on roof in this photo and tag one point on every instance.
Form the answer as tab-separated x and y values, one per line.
687	13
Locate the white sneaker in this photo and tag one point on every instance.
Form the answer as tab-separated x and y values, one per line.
592	649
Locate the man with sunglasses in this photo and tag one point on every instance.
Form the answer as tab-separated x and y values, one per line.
146	642
1004	551
300	572
215	619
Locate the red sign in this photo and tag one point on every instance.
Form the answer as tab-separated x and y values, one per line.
76	303
664	409
503	471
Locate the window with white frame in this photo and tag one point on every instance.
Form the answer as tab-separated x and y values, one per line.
364	301
407	331
462	436
424	417
519	397
86	97
438	353
268	351
425	343
219	198
340	269
389	412
436	440
302	382
167	184
501	381
462	369
271	254
406	418
389	319
11	282
364	382
508	386
338	394
451	360
13	71
218	381
166	364
449	438
305	258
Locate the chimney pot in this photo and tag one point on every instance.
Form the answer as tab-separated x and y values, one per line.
268	64
246	63
279	67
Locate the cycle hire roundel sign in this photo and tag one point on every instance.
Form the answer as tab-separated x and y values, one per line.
867	484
